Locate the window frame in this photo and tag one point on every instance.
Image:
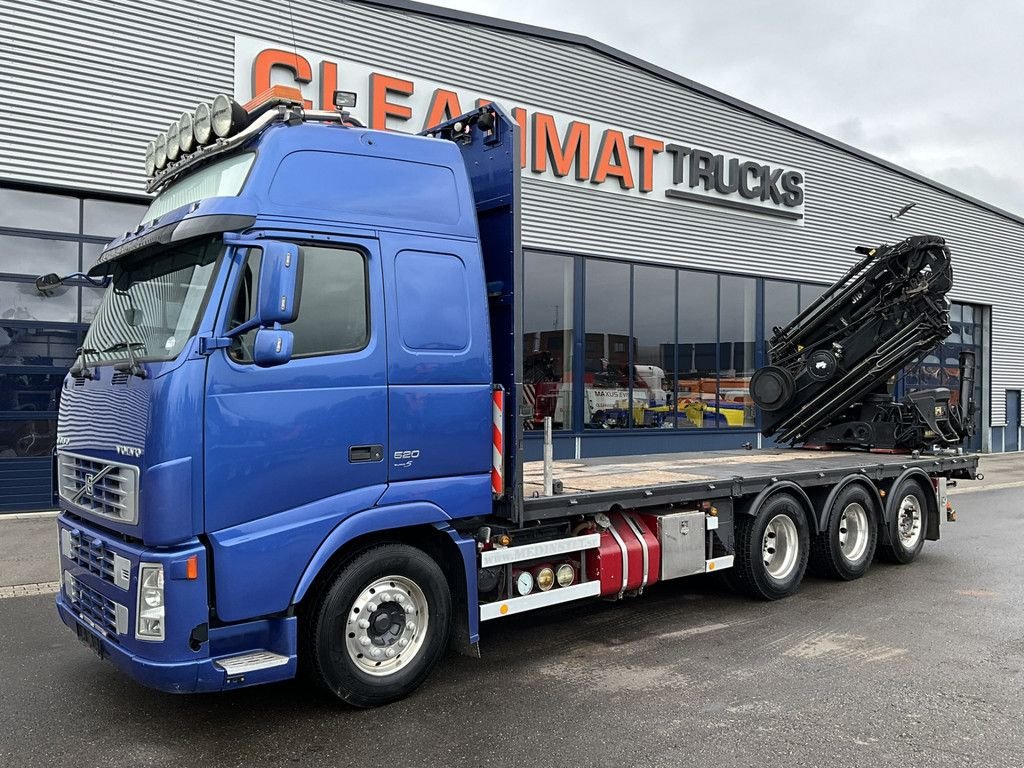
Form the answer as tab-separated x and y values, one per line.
361	251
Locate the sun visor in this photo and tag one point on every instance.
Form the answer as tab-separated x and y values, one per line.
211	216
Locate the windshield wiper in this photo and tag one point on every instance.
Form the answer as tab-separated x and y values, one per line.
81	366
132	367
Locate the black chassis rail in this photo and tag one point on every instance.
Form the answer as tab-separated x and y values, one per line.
571	504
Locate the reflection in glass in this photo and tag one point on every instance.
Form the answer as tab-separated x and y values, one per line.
697	380
547	340
606	345
51	346
38	210
736	349
781	305
654	340
104	218
21	301
36	256
27	438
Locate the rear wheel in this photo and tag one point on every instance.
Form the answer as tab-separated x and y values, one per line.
771	549
845	549
907	527
380	627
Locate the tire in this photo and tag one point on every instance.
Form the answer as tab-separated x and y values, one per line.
392	601
908	524
762	569
845	549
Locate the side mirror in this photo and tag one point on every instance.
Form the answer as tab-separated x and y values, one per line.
48	282
272	347
277	299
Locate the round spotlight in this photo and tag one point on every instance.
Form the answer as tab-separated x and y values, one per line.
186	134
151	158
173	149
565	575
202	125
228	117
545	579
160	151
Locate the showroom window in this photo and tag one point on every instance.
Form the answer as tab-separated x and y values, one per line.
42	232
606	361
697	329
548	340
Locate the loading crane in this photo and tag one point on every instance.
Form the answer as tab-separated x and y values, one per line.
828	382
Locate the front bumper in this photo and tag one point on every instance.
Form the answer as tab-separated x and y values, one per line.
102	612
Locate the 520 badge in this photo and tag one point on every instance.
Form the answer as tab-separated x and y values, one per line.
405	458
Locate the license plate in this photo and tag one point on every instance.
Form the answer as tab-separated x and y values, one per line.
90	639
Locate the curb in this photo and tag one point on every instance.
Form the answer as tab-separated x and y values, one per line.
28	590
29	515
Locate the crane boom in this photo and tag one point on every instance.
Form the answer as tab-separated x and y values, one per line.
827	382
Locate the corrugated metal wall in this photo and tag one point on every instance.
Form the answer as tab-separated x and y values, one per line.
104	76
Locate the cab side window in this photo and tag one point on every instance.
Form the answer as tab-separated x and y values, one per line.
333	304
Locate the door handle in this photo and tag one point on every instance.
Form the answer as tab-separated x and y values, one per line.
358	454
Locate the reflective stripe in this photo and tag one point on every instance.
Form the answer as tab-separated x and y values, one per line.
498	442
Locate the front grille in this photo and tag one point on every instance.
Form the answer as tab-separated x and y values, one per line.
104	488
100	612
94	556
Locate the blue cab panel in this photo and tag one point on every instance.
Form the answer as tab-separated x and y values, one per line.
262	473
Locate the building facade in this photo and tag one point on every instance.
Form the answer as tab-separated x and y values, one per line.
667	227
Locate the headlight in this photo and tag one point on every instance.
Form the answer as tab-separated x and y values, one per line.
151	158
202	127
545	579
160	151
565	574
173	148
227	116
186	138
150	619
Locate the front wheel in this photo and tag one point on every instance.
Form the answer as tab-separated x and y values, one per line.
381	626
771	549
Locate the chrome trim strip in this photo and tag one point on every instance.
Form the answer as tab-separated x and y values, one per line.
643	547
541	549
539	600
625	559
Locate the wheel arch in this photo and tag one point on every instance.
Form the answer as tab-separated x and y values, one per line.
925	481
420	525
830	497
750	508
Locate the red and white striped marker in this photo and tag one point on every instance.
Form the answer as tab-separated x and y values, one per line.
498	442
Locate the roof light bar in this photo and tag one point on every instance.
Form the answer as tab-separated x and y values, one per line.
220	126
227	116
173	149
186	133
202	125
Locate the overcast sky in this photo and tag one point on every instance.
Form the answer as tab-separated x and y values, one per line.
936	86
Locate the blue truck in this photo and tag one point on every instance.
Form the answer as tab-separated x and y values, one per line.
292	439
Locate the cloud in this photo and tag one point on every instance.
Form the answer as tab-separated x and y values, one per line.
932	85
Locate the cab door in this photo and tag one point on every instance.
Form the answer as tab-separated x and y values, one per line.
290	450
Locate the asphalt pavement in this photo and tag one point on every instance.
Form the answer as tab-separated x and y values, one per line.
919	665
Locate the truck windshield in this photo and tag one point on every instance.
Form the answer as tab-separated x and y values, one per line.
221	179
153	303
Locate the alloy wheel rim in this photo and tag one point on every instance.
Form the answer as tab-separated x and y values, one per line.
908	521
387	625
853	532
780	547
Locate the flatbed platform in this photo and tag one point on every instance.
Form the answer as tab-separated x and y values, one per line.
593	485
